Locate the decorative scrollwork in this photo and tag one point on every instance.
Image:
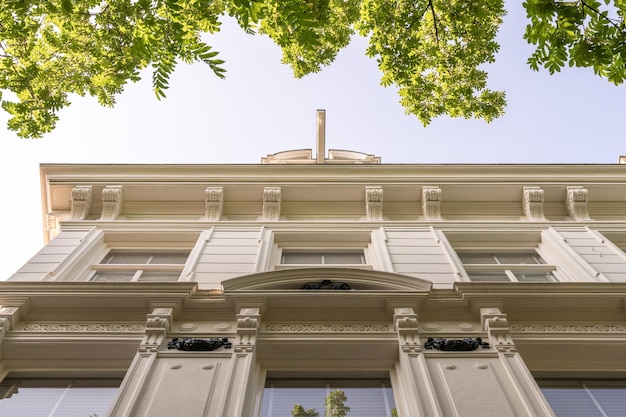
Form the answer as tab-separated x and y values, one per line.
193	344
455	345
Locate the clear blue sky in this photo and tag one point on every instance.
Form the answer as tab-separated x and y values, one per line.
572	117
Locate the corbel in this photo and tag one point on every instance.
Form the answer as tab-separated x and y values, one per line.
214	203
157	325
111	202
431	202
248	322
374	203
495	323
271	203
577	203
81	202
405	324
533	198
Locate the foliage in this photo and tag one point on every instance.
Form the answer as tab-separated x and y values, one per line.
299	411
583	33
432	51
335	404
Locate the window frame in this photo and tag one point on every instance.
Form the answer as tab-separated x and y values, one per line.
508	269
138	269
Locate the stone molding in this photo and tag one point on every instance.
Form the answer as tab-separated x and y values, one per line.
374	203
533	198
577	203
82	328
248	323
214	203
326	328
157	326
497	326
81	202
111	202
431	202
271	203
568	328
405	322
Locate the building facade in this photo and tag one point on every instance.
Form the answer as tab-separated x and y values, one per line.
243	290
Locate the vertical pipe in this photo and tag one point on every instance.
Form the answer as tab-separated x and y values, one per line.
321	136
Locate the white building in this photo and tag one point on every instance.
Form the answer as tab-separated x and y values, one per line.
528	258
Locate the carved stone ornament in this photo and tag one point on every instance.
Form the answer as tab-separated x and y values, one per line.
111	202
214	203
577	203
326	284
83	327
81	202
248	323
191	344
431	202
533	204
326	328
455	345
374	203
271	203
406	325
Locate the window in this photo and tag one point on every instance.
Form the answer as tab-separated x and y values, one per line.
366	397
140	266
585	398
522	266
57	398
322	258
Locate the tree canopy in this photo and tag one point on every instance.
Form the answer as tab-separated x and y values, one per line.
432	51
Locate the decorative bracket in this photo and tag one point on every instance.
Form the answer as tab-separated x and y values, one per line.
248	321
271	203
374	203
157	326
497	326
577	203
431	202
214	203
81	202
405	322
533	204
111	202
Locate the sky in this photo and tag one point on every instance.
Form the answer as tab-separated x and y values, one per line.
260	109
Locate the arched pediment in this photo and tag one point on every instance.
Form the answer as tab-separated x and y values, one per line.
356	279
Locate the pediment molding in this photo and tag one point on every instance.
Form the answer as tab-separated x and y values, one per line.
357	279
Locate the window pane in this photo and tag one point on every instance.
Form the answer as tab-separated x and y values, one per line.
58	401
571	402
518	258
534	276
477	258
169	258
159	276
488	276
575	398
366	398
302	258
344	258
113	276
126	258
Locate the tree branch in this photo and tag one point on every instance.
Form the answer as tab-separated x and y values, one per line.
432	10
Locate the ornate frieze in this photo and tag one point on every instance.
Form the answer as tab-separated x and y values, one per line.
568	328
374	203
81	202
326	328
82	328
577	203
533	198
271	203
214	203
431	202
111	202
